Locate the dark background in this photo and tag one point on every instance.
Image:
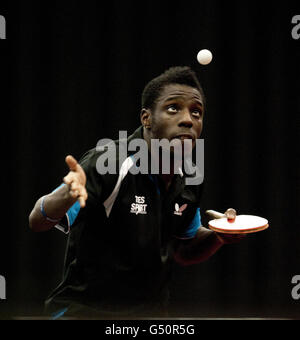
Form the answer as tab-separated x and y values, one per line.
73	72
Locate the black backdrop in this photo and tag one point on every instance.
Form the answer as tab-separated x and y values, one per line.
72	73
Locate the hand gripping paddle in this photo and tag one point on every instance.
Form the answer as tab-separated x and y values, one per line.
243	224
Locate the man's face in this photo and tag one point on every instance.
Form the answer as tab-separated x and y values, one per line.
178	114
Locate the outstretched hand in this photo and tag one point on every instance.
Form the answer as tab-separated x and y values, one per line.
76	180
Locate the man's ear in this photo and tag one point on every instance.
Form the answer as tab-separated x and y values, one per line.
146	118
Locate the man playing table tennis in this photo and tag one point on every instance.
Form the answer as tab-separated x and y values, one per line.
124	229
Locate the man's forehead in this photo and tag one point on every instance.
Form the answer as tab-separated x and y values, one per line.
177	91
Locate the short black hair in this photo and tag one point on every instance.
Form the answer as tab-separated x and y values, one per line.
183	75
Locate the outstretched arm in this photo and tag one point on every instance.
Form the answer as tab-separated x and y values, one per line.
205	244
50	209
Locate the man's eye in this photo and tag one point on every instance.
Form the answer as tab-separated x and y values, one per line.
197	113
172	109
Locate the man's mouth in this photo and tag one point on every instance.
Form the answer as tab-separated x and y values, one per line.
185	136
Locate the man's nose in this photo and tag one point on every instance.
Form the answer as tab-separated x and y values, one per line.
186	119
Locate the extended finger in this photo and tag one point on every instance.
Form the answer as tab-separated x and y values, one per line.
72	163
83	193
82	197
231	215
82	201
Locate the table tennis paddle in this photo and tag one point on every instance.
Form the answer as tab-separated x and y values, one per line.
243	224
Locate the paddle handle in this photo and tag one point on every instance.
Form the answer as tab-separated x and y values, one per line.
215	214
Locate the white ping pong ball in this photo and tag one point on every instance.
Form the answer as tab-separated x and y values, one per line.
204	57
